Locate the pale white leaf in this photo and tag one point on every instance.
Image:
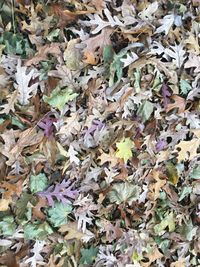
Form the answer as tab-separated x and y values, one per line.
25	90
72	155
177	53
166	24
36	258
147	13
130	58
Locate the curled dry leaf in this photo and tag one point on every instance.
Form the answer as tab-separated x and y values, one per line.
95	45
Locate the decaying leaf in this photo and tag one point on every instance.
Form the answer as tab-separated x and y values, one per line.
23	83
187	150
99	133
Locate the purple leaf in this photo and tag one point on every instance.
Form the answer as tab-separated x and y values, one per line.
61	192
47	125
165	91
160	145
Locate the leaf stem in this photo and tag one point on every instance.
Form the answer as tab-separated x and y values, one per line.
13	16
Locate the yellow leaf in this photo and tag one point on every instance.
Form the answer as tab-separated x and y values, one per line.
4	204
71	232
124	149
61	149
172	173
180	263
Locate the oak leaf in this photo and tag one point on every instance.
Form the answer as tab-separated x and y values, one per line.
95	45
179	103
187	150
23	81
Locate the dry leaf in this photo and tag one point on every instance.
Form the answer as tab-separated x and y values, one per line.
155	188
95	45
4	204
187	150
43	52
37	213
71	231
179	103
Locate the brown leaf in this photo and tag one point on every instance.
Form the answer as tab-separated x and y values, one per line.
43	52
153	256
28	137
95	46
179	103
155	188
37	213
65	16
9	260
12	189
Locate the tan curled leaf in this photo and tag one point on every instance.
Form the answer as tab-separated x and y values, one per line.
187	150
95	45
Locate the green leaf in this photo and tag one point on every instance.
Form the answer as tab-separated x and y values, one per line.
38	182
185	87
124	149
108	54
37	231
7	226
188	230
168	221
185	192
124	192
53	35
59	98
15	44
58	215
116	69
88	255
163	244
195	173
145	110
22	205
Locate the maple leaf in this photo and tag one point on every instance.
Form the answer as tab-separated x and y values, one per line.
58	214
124	192
59	98
124	149
62	192
23	80
72	55
38	182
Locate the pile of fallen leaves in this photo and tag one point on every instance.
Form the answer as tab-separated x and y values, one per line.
100	133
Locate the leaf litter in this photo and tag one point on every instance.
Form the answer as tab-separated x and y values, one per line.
99	133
